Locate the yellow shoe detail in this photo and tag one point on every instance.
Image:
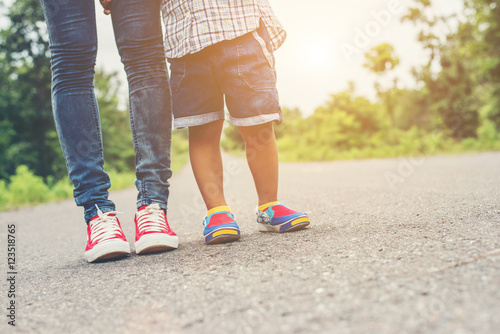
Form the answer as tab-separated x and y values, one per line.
224	232
217	209
265	206
300	220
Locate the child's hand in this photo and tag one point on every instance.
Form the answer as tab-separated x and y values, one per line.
106	4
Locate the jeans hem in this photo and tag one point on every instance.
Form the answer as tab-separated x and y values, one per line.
144	201
91	212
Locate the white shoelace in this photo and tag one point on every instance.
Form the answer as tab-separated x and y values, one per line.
151	219
104	227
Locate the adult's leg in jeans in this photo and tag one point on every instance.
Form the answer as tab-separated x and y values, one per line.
138	34
73	47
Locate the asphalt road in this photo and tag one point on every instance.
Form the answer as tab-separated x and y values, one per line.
395	246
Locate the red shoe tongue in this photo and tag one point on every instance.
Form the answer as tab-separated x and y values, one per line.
219	219
281	210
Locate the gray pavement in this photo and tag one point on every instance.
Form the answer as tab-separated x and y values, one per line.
395	246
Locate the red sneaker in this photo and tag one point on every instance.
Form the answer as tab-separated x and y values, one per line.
105	238
152	232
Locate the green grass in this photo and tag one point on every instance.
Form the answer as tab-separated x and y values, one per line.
413	142
25	189
406	144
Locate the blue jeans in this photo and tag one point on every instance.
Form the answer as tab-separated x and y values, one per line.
73	46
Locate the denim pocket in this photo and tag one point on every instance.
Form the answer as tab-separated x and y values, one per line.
177	73
254	68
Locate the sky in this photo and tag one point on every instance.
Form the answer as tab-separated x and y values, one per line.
311	64
326	41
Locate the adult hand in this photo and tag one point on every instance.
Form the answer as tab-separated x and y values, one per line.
106	4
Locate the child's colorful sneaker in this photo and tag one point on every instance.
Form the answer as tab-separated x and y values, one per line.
105	238
276	217
152	232
220	226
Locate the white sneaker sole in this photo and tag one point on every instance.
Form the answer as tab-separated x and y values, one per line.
297	224
156	242
108	249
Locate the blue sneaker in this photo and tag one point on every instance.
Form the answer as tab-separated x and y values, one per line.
220	226
276	217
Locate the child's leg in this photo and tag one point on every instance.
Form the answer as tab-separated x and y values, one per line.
262	157
206	161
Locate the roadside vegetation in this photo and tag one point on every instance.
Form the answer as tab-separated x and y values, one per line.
454	107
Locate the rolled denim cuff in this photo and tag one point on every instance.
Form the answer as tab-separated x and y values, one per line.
146	202
91	210
183	122
256	120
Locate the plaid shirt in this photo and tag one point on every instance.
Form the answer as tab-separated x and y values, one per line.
192	25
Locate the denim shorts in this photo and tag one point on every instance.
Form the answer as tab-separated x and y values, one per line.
239	71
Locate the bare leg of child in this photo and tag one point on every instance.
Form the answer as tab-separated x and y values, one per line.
206	161
262	157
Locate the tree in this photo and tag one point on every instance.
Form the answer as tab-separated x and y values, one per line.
381	60
26	124
451	75
27	129
116	134
484	23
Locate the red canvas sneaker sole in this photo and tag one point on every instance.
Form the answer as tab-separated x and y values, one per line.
156	242
108	249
